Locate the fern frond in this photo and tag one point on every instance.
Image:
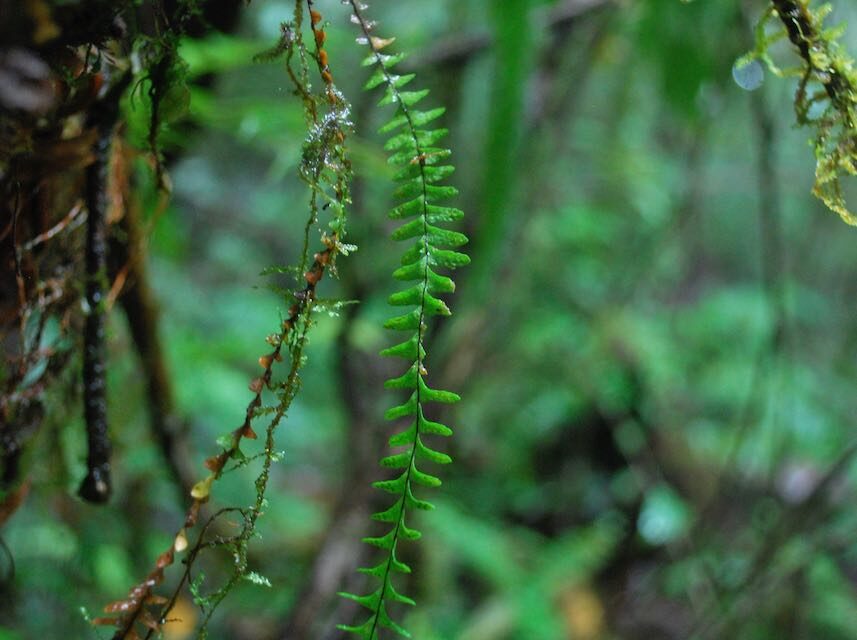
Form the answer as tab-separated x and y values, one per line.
413	151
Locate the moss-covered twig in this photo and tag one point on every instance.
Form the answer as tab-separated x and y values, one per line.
826	96
324	164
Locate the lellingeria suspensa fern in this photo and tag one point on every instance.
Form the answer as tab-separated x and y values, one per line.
419	175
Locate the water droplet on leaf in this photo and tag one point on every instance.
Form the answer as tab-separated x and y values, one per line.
749	75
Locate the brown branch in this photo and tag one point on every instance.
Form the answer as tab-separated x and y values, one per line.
458	49
467	339
138	302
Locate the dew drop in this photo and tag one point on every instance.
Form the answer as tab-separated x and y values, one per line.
749	75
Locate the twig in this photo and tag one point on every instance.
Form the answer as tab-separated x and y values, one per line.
138	303
456	50
70	217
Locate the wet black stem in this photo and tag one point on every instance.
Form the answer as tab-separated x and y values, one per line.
96	485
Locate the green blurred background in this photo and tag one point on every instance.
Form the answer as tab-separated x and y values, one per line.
654	344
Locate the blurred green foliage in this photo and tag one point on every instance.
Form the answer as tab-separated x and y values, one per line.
657	427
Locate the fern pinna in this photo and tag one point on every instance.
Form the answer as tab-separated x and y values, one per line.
419	175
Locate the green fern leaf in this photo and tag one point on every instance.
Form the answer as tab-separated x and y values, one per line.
420	175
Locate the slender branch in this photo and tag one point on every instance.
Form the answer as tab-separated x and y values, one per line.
133	608
459	49
138	302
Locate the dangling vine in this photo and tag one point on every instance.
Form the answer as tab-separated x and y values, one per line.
413	152
826	96
324	167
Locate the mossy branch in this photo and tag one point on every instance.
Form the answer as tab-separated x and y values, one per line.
826	96
324	166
